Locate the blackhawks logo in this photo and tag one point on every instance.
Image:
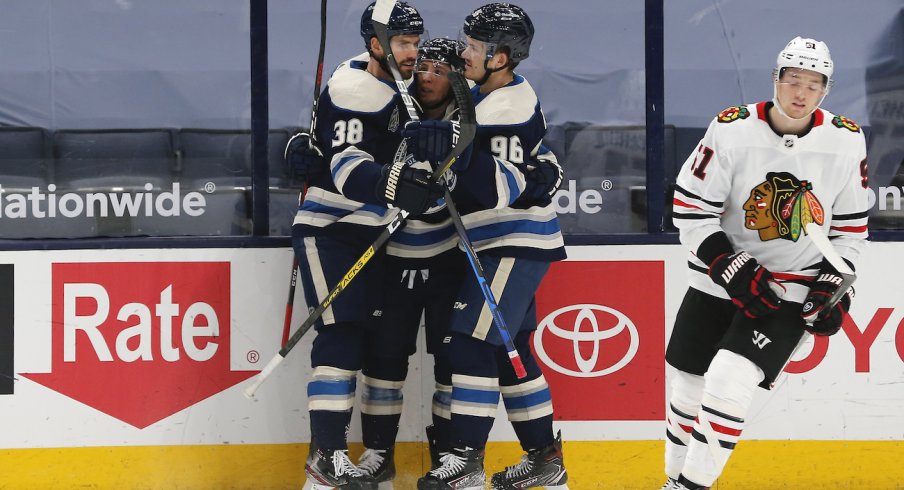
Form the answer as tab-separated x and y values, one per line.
843	122
733	114
781	207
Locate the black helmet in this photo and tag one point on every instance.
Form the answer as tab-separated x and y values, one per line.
502	24
442	50
403	20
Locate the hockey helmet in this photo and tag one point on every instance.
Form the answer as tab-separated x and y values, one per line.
403	20
441	50
501	24
806	54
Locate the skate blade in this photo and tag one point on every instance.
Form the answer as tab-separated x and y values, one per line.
386	485
556	487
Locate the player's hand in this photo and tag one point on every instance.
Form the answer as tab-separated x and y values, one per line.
821	320
408	188
544	178
429	141
304	158
747	283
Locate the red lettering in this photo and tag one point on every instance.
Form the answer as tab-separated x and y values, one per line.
863	341
816	355
899	339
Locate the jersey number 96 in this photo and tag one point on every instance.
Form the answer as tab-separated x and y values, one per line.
507	148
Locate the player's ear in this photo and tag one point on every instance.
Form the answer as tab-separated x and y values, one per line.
501	58
375	46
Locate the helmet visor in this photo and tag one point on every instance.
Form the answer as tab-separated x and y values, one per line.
471	48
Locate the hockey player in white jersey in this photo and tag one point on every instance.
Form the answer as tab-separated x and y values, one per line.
761	173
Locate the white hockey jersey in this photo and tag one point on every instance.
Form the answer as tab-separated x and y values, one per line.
762	188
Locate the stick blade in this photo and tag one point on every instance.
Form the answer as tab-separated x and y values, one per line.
819	238
382	11
825	247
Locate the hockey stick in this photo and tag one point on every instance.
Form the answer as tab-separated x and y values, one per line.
318	77
488	295
381	14
468	128
821	241
819	238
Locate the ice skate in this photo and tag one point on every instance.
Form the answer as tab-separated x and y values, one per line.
378	464
437	449
329	469
461	469
539	468
670	484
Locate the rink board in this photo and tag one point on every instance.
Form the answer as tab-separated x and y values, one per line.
129	367
611	465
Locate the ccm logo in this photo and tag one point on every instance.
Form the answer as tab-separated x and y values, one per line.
139	333
582	324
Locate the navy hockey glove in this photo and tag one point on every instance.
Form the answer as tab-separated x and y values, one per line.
746	282
432	141
544	178
408	188
429	141
821	320
304	158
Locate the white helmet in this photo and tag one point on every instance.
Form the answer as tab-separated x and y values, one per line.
807	54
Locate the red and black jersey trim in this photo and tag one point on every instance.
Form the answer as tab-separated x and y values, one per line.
687	193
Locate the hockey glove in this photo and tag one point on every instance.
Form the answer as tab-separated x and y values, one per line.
304	158
408	188
429	141
819	318
544	178
746	282
432	141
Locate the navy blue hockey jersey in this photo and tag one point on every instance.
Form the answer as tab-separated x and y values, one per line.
511	127
359	121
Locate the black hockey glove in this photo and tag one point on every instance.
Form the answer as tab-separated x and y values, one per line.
544	178
821	320
304	158
408	188
746	282
432	141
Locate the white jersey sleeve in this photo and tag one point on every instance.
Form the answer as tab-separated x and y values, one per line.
702	187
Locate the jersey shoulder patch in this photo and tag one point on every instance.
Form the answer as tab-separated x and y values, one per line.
843	122
733	113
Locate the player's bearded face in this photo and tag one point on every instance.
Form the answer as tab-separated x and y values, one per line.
799	91
404	48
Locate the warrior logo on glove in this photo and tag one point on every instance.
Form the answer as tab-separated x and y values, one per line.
781	206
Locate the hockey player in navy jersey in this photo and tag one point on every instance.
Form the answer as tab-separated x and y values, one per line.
758	284
423	274
358	130
517	235
424	270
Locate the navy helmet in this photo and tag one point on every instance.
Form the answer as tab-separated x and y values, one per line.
501	24
403	20
441	50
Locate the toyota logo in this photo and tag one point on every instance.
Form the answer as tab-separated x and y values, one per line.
590	315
